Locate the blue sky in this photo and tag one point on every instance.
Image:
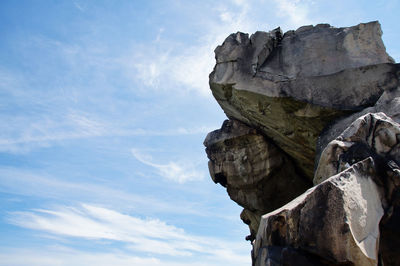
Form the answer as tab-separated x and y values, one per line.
104	106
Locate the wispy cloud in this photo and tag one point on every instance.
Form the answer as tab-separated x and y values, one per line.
93	222
176	171
143	235
61	256
79	6
40	130
42	186
295	11
21	134
161	64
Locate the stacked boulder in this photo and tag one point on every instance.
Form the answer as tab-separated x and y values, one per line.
311	149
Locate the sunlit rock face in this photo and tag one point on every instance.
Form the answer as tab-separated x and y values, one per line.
290	86
336	222
311	149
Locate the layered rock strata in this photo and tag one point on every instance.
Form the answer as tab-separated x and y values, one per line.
290	86
253	170
322	105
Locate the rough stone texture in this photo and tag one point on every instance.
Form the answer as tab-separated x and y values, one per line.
373	134
318	98
253	170
333	223
376	136
388	103
291	86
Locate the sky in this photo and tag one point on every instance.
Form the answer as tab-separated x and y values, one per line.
104	106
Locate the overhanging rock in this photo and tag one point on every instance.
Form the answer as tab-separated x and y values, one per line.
290	86
257	174
318	96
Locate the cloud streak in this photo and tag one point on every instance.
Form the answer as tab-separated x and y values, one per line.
61	256
93	222
42	186
140	235
175	171
26	133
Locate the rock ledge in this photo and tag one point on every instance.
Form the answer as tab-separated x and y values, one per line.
313	127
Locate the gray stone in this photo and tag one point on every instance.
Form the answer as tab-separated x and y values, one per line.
291	86
388	103
375	136
257	175
318	98
252	219
333	223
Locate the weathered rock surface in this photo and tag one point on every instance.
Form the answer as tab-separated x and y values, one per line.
388	103
334	223
319	103
372	135
376	136
253	170
290	86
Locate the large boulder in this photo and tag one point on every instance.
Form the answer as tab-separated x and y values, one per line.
317	104
372	135
258	175
388	103
351	216
333	223
290	86
375	136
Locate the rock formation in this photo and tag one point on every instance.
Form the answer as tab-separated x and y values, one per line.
256	173
317	108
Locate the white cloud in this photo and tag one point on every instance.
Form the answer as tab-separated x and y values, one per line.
24	133
86	125
140	235
176	171
240	2
57	256
61	256
20	182
296	11
149	71
79	6
93	222
162	65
